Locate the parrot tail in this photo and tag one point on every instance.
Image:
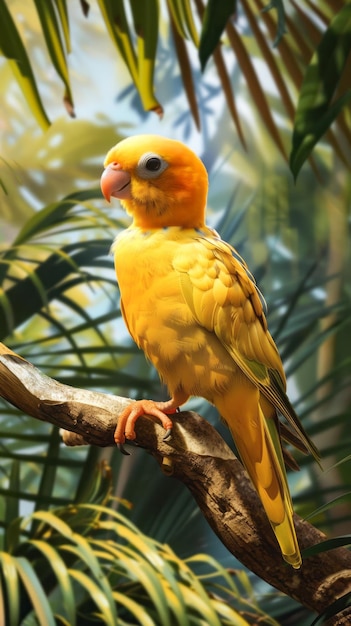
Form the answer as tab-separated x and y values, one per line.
258	443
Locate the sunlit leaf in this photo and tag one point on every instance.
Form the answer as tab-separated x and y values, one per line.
52	34
63	15
146	24
10	587
94	591
177	16
35	591
56	563
139	569
134	608
119	31
52	216
11	46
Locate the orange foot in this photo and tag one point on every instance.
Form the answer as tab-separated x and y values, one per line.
129	416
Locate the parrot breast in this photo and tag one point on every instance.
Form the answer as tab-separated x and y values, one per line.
186	355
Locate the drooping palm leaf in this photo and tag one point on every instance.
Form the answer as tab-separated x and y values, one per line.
317	109
51	29
12	47
98	564
284	42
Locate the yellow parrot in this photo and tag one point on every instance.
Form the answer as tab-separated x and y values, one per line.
192	306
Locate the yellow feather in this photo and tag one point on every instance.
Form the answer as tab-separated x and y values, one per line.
191	304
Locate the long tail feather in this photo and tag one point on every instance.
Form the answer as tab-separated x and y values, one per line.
258	444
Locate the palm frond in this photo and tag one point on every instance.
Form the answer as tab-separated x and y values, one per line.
113	572
306	48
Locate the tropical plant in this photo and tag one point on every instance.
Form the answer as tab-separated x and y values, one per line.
56	254
311	51
58	299
101	569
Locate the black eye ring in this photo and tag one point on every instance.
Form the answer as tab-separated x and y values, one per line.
153	164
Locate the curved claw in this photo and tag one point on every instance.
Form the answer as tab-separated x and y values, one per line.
122	449
168	435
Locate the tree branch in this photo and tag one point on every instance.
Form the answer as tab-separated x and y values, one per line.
198	456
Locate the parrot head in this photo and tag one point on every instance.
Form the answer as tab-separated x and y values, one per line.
159	181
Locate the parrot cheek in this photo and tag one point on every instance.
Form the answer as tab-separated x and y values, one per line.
115	182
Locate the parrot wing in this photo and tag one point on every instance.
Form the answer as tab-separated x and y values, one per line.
224	299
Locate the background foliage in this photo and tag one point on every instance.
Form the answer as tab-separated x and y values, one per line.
58	295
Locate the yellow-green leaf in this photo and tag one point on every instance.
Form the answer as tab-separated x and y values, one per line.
13	49
10	586
146	21
54	44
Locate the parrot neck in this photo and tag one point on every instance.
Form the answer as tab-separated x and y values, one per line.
151	216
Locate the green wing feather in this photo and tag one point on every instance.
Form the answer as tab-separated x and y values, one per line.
224	299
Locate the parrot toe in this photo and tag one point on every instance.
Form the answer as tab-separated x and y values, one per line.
130	415
168	435
122	449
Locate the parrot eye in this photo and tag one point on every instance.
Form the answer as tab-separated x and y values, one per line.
151	165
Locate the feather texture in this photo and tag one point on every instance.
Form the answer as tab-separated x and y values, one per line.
193	307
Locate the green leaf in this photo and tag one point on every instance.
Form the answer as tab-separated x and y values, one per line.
117	26
336	607
316	111
10	587
61	6
345	497
134	608
12	48
51	32
12	502
175	8
215	18
48	474
281	30
59	568
35	592
96	593
53	215
330	544
148	577
146	20
188	19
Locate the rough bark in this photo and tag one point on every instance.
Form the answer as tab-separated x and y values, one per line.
197	456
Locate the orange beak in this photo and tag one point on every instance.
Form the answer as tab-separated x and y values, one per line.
115	182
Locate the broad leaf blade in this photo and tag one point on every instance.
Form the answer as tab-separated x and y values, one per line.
316	111
10	587
146	19
214	21
35	591
58	566
52	35
330	544
11	46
